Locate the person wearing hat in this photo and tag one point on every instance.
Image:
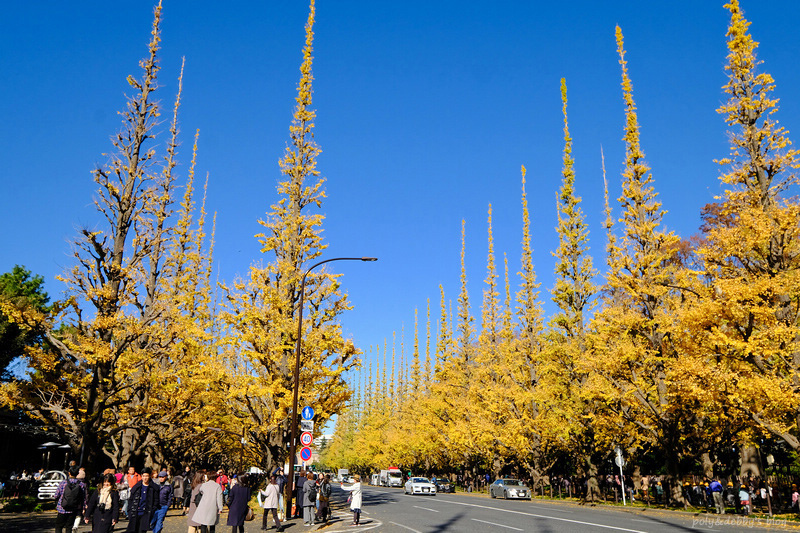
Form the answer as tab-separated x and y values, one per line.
355	499
744	499
164	501
143	503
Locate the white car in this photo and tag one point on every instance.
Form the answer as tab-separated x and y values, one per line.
419	485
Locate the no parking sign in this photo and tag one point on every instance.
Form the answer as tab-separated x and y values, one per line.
305	454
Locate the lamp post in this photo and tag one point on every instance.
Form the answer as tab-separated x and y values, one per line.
292	444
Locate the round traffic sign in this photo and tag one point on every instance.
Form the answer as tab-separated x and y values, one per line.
306	438
308	413
305	454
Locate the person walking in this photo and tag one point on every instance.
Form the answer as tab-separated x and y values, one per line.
192	500
716	492
280	480
210	504
744	499
223	481
103	508
324	499
130	479
355	499
164	501
269	500
237	504
298	494
142	503
179	482
71	499
309	499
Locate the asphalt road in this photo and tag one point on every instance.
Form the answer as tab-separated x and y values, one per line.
390	511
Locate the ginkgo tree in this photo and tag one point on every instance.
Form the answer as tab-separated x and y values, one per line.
111	345
261	311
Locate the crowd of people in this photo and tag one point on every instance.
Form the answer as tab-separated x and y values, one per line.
144	498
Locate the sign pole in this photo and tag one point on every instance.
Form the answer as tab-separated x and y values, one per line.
620	463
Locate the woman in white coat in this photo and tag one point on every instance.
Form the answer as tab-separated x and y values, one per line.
210	506
268	500
355	499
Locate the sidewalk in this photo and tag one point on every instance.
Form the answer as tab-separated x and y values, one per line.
175	523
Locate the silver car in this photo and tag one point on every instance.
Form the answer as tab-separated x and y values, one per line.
509	489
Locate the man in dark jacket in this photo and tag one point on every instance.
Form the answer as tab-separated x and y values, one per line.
298	494
164	499
143	503
71	499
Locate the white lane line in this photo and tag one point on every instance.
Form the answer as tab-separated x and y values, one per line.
544	516
346	518
405	527
498	525
432	510
551	509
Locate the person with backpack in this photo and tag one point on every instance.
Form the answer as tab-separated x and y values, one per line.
71	499
164	501
178	485
324	499
309	499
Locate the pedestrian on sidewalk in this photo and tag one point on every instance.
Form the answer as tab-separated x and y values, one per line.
238	504
309	499
269	500
192	501
71	499
716	493
103	508
142	504
324	499
210	505
355	499
164	500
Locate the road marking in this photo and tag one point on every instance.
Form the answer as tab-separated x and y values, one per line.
405	527
544	516
348	516
551	509
498	525
432	510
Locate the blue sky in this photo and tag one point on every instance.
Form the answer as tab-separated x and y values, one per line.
426	111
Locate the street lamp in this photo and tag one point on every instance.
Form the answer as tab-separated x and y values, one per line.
292	449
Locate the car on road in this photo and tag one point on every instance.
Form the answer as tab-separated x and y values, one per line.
443	485
509	489
419	485
48	484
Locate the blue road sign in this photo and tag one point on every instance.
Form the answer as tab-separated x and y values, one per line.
305	454
308	413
